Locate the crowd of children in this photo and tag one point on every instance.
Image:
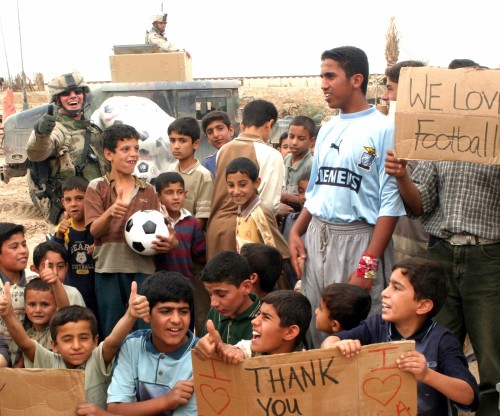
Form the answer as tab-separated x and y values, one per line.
221	284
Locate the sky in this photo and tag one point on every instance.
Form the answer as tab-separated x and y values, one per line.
239	38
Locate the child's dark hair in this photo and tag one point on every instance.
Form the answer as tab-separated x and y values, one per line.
38	285
72	313
462	63
306	122
352	60
428	278
265	261
393	72
187	126
215	116
75	183
245	166
258	112
113	134
293	308
41	250
305	176
347	304
226	266
166	286
283	136
166	178
7	230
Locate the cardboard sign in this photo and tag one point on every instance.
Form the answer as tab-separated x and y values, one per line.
40	392
316	382
448	114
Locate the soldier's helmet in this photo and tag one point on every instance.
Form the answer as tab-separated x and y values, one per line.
159	17
66	82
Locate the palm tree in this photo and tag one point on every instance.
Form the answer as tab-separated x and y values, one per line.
392	45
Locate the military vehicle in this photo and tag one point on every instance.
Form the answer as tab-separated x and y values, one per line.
177	98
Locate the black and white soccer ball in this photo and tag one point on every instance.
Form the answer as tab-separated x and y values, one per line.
141	230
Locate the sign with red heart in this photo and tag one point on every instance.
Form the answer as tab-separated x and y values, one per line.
315	382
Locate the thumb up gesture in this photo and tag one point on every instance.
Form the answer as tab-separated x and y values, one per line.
119	208
46	124
208	345
138	305
63	226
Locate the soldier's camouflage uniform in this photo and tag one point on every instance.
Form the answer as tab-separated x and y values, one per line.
155	37
65	147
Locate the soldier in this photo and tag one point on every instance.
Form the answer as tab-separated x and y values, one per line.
63	145
156	36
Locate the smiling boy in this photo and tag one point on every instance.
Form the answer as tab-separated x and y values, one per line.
416	292
74	341
109	202
153	372
278	328
14	254
255	223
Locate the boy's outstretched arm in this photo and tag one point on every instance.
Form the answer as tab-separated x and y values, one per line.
453	388
16	330
409	192
207	346
178	396
138	307
50	276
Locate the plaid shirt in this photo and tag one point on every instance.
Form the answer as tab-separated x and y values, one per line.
459	198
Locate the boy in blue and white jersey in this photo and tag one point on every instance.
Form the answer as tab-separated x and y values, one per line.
352	205
153	372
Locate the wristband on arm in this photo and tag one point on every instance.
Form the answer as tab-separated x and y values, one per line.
367	266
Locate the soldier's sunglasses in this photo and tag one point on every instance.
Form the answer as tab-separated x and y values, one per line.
77	91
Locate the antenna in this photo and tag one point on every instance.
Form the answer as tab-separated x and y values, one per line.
25	96
5	52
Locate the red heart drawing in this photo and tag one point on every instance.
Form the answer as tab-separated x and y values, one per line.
382	390
217	398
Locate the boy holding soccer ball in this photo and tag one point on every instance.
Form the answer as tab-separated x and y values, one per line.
109	202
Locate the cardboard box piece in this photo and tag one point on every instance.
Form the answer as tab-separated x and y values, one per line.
316	382
150	67
28	392
448	114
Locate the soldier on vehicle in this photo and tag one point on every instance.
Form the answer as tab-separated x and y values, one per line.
156	36
63	145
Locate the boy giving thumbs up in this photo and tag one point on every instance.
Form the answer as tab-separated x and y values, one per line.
109	202
75	341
